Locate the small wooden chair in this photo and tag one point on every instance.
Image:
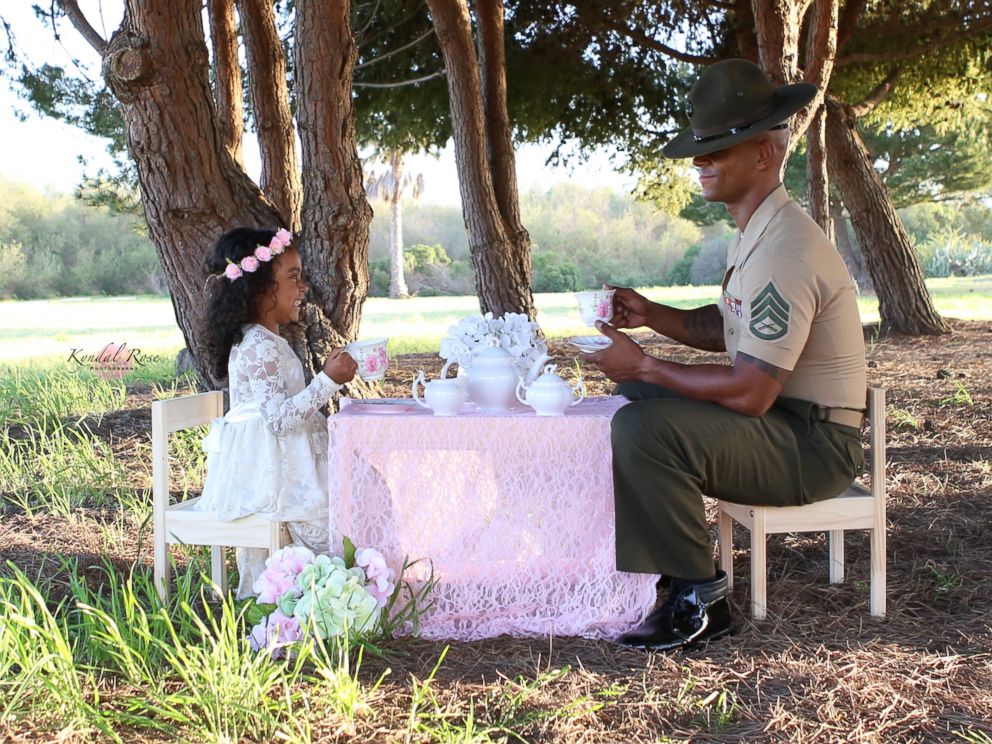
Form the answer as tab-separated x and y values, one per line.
180	523
855	509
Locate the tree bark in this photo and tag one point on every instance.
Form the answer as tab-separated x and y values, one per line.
192	189
227	75
842	238
904	302
499	131
397	279
816	172
500	255
270	105
336	214
821	49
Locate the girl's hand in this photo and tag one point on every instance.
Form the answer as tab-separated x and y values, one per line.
340	366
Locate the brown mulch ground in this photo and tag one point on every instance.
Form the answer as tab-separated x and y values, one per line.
819	668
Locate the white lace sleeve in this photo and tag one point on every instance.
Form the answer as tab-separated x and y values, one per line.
261	366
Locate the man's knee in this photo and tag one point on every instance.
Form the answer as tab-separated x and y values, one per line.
640	424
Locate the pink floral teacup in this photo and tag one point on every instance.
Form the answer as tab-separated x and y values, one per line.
371	358
595	305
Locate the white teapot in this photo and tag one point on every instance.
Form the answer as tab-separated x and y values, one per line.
549	395
493	377
444	396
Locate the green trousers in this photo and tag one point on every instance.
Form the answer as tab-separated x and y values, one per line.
668	451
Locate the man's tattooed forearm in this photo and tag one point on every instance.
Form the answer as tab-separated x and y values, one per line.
776	373
705	328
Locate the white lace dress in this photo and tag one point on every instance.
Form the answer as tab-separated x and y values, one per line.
268	454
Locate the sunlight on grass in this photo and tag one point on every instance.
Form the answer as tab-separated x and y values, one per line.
46	331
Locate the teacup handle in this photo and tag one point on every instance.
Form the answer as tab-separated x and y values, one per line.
423	381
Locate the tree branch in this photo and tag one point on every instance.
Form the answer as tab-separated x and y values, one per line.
400	83
848	23
822	46
955	37
416	11
646	41
879	94
389	54
363	29
77	19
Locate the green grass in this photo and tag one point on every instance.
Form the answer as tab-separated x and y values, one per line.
147	324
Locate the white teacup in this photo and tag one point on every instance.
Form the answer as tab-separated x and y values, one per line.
371	358
595	305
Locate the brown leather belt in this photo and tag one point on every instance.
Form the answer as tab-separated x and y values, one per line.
843	416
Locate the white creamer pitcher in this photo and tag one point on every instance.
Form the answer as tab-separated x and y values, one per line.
445	396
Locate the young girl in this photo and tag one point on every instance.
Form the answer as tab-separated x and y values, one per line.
268	455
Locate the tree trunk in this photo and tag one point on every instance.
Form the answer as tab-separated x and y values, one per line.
270	104
816	172
904	302
336	214
502	272
499	131
192	189
397	280
227	75
821	50
842	238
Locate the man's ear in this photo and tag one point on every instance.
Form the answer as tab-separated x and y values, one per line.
765	157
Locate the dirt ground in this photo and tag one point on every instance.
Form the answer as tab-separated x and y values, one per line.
819	668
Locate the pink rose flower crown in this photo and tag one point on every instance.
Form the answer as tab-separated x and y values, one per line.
262	254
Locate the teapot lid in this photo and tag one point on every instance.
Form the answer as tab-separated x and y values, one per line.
493	352
549	377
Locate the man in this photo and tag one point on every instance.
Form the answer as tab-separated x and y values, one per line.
781	425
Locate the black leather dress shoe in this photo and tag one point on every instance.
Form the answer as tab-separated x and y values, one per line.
691	615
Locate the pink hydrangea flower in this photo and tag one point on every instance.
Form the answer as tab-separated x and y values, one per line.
275	630
378	575
263	253
249	263
233	271
281	570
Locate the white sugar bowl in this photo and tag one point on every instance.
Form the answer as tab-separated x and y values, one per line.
549	394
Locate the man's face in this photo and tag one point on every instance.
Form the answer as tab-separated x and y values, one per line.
726	175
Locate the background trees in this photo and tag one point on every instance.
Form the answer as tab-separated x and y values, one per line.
180	102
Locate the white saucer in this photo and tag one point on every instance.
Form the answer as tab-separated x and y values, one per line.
590	344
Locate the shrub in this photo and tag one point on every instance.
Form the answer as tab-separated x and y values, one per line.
554	273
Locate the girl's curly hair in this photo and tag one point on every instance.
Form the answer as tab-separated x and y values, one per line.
235	303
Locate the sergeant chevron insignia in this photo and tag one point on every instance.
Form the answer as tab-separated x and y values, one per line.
769	314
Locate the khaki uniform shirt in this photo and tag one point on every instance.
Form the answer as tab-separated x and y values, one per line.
788	300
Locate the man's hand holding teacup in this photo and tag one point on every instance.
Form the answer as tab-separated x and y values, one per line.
630	309
621	361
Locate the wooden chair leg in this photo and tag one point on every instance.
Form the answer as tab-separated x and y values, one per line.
836	553
725	526
161	573
877	603
218	569
275	536
759	600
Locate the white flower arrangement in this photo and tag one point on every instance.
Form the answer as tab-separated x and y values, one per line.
514	332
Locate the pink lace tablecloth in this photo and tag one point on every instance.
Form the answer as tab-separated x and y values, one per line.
515	512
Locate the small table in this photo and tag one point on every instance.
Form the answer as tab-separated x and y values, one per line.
515	513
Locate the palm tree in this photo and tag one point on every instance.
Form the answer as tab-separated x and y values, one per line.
391	186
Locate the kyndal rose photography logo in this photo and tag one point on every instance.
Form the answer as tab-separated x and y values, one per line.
111	362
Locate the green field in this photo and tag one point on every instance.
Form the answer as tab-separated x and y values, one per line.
47	330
